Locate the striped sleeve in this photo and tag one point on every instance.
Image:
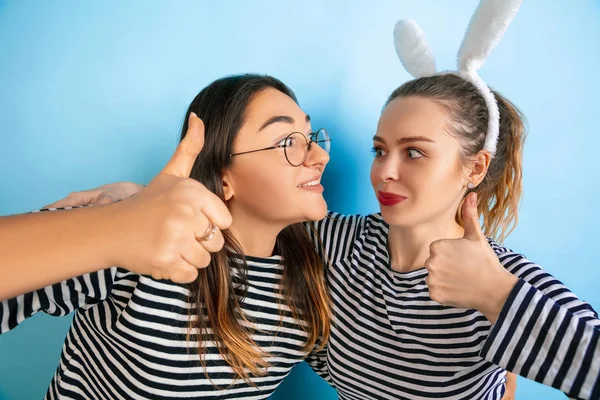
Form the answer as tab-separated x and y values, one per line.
317	360
337	233
59	299
545	333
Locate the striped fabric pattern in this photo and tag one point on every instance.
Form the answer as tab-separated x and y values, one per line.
128	337
389	340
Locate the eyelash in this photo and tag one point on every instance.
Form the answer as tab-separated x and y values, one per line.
280	141
417	150
376	149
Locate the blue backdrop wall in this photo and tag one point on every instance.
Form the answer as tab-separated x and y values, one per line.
95	92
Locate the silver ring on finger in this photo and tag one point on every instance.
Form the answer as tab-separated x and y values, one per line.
210	232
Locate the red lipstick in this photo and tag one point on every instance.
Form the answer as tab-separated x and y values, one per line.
389	199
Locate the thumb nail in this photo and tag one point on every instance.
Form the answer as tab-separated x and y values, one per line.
473	199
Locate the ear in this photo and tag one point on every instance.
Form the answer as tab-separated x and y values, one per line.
228	191
479	167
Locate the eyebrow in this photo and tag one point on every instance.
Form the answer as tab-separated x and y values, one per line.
406	139
280	118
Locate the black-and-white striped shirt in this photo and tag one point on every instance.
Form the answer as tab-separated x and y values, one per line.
128	337
389	340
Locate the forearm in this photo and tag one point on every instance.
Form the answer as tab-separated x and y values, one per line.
37	250
539	339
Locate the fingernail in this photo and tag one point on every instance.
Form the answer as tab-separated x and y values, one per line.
194	114
473	199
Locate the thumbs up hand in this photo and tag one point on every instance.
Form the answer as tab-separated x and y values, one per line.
169	229
465	272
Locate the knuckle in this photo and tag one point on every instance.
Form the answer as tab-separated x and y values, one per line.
188	185
184	275
186	209
431	266
435	246
219	242
205	259
227	219
178	276
433	293
156	274
436	294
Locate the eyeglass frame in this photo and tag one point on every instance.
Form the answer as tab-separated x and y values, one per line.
309	143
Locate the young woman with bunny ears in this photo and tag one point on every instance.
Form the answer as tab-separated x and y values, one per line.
424	306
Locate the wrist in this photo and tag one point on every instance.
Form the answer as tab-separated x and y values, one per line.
110	233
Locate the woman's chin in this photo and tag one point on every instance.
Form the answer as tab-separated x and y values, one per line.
318	211
395	217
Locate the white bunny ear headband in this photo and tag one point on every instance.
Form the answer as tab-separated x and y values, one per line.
485	30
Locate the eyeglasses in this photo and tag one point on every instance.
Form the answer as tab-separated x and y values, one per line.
296	146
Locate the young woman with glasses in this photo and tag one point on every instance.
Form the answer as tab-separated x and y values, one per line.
231	330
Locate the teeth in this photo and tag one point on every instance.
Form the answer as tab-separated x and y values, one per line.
312	183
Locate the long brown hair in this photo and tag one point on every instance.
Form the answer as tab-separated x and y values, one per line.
500	191
222	106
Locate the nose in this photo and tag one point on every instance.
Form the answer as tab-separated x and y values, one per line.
316	156
386	170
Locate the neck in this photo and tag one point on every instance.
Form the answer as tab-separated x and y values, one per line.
409	246
256	235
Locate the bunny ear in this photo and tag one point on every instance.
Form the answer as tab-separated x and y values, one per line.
486	28
413	50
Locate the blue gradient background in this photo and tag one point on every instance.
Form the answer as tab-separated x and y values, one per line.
95	92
